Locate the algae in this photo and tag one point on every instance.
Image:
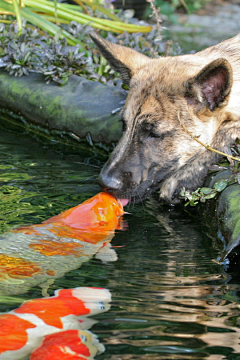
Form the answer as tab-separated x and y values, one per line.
229	217
81	107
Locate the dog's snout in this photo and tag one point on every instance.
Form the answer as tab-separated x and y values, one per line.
109	183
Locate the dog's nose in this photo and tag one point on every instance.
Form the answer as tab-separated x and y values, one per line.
109	183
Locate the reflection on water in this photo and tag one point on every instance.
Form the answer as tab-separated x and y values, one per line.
171	300
178	303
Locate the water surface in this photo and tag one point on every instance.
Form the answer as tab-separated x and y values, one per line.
171	299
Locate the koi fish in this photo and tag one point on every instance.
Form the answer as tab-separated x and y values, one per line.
31	255
98	215
68	345
54	327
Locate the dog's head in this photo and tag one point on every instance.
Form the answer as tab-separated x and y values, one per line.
167	98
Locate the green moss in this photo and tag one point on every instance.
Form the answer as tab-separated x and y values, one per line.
81	107
229	213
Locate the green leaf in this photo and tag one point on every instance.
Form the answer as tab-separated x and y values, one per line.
210	196
66	13
206	190
55	10
102	9
45	14
220	185
18	15
64	81
194	197
6	6
46	25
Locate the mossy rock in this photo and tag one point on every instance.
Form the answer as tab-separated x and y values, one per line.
80	107
228	213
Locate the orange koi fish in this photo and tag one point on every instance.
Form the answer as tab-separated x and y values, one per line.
30	255
99	215
54	327
67	345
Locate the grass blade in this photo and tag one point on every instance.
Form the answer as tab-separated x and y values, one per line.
17	11
69	14
55	10
99	7
14	9
46	25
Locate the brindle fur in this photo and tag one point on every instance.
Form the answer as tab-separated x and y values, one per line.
154	150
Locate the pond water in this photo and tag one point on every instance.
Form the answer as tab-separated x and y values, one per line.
171	299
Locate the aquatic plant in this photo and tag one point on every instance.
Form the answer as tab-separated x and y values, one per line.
36	51
203	194
48	15
232	153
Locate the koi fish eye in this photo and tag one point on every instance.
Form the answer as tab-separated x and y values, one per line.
101	305
83	338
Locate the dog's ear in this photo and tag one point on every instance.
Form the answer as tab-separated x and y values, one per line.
121	58
211	85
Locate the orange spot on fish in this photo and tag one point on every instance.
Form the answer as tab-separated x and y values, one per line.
52	248
64	345
51	272
13	332
64	304
15	267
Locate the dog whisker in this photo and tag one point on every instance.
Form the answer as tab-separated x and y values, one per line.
140	197
88	178
83	163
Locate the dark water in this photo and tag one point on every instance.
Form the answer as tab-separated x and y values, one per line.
171	300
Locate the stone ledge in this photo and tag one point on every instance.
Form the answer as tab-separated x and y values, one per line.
228	215
81	106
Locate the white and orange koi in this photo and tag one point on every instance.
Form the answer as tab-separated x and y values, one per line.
30	255
54	327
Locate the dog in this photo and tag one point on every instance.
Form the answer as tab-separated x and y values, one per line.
172	101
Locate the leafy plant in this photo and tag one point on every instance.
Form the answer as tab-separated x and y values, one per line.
203	194
48	15
36	51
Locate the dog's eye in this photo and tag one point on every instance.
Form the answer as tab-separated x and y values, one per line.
156	135
124	125
151	131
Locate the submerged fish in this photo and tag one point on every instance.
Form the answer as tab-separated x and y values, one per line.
99	214
32	254
67	345
54	327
